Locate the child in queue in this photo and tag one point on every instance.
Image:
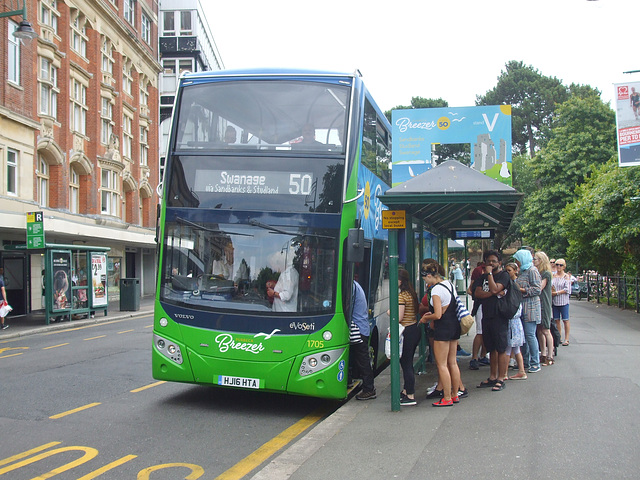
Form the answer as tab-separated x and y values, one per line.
516	332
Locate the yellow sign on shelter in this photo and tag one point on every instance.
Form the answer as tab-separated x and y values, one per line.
394	219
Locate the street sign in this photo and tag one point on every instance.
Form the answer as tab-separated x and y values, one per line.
35	230
394	219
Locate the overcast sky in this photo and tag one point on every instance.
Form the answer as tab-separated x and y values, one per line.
446	48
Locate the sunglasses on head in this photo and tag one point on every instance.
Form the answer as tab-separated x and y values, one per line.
424	273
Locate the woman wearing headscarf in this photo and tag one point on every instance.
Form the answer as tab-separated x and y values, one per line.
529	281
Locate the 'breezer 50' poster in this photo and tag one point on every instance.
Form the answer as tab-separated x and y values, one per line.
99	279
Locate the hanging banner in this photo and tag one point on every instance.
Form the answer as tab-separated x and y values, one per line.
486	129
99	279
61	266
628	123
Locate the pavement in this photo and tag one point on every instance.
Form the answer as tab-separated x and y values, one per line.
575	419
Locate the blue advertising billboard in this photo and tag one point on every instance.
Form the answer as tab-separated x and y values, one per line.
487	129
369	205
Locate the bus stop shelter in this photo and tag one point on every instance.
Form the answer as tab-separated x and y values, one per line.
450	196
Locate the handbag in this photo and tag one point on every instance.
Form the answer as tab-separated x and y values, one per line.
464	317
5	309
387	342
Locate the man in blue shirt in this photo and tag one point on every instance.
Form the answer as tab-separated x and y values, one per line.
360	343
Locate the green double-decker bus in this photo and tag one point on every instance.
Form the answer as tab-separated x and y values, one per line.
269	211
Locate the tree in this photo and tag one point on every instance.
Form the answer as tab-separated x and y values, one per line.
582	136
419	102
533	98
603	223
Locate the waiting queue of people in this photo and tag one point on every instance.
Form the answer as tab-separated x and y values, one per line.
530	339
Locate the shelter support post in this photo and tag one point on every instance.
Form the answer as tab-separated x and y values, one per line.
394	323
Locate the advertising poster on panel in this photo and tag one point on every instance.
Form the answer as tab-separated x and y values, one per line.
99	279
628	123
486	129
369	205
61	266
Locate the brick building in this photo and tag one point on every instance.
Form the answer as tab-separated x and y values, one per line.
79	136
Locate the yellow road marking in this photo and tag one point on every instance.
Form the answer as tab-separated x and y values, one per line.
149	326
12	355
22	455
151	385
2	350
109	466
55	346
94	338
125	331
247	464
75	410
196	470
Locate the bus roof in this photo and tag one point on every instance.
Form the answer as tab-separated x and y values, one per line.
260	72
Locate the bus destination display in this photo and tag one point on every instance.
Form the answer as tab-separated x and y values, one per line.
254	183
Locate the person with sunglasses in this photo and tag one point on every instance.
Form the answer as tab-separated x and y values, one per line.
443	318
560	291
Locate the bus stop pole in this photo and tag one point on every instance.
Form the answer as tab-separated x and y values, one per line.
394	323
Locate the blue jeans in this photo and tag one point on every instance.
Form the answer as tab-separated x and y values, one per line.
530	349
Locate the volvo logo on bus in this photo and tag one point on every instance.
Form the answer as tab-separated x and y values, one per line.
184	316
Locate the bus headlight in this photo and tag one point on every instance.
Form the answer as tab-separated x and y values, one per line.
164	322
310	364
327	335
172	351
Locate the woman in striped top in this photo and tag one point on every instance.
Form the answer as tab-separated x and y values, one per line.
560	291
407	311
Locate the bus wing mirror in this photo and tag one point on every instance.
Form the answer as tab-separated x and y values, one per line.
355	245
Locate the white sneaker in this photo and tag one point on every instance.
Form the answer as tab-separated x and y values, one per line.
512	362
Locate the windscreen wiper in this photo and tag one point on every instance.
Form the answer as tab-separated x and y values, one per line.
271	228
207	229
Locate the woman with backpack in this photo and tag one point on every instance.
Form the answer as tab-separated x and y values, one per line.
444	321
529	281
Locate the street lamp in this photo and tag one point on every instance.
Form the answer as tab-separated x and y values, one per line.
25	31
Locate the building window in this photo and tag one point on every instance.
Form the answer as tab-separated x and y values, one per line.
79	35
43	182
74	191
78	107
145	29
127	77
106	114
107	55
144	95
12	172
110	192
48	81
49	14
185	23
169	24
144	145
127	135
13	54
130	11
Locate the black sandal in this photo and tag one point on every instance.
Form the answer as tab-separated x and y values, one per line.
487	383
499	385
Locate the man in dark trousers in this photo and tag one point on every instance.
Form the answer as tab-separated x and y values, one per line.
495	330
360	343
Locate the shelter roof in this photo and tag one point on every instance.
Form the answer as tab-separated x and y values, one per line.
454	196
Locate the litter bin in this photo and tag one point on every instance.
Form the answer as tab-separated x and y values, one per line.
129	294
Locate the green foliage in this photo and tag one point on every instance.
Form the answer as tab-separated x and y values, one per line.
582	136
603	223
533	98
419	102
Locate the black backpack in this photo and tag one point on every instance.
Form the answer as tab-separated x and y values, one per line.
507	306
